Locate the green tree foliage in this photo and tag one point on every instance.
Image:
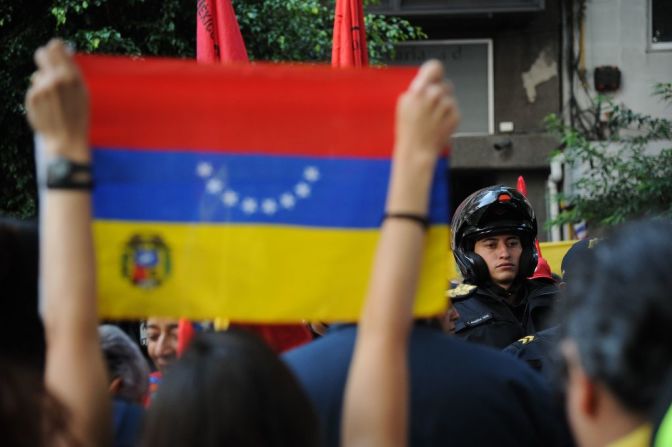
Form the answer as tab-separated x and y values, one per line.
276	30
623	177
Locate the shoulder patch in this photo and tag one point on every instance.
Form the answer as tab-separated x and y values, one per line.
461	291
526	340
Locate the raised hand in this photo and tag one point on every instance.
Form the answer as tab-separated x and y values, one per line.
58	103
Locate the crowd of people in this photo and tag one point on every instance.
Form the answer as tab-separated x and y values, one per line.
517	359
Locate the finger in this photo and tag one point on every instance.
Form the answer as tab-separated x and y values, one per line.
430	72
35	77
436	92
57	53
40	57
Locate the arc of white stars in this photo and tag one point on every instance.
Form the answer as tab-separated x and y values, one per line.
250	205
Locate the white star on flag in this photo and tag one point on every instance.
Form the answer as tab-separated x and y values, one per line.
249	205
311	173
214	186
302	190
204	169
287	200
230	198
269	206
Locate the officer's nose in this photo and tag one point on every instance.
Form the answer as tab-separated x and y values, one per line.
504	251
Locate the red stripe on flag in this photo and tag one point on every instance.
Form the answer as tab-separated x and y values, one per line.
278	109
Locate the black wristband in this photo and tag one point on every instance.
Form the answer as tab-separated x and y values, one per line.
63	173
418	218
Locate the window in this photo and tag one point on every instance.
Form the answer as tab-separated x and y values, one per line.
660	25
468	65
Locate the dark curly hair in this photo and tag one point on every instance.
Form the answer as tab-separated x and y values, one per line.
619	312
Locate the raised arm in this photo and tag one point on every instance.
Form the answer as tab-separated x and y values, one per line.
58	110
376	397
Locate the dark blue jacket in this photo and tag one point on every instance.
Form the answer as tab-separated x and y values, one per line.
462	394
540	351
128	418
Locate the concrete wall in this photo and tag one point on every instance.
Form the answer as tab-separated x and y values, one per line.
522	43
616	34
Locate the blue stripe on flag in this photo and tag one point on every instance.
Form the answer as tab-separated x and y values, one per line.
225	188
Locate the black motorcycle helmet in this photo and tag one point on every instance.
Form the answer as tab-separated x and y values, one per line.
493	211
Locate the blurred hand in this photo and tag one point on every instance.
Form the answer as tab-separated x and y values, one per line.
57	102
427	113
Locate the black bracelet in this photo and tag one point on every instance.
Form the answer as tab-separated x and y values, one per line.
418	218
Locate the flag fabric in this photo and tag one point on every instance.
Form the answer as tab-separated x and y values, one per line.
218	37
543	269
249	192
349	38
230	47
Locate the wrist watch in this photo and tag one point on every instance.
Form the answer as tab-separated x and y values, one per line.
63	173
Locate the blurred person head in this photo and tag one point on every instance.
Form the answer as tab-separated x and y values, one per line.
162	341
575	253
451	316
229	388
617	343
21	334
493	237
127	369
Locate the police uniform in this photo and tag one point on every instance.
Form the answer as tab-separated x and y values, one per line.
486	316
540	351
461	394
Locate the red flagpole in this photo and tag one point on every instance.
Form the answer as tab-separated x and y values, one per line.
543	269
349	39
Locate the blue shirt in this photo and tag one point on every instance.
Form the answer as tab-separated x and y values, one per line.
462	394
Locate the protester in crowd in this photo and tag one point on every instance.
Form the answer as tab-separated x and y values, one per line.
229	388
447	392
451	318
540	350
78	412
128	376
22	334
376	408
160	335
662	416
617	344
493	243
161	341
127	368
58	110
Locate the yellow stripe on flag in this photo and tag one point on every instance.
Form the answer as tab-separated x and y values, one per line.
272	273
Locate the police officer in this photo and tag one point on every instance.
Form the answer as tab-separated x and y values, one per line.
493	243
540	350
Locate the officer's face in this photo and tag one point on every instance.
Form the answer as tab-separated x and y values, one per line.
502	255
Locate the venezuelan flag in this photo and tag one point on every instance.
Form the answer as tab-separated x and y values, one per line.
252	192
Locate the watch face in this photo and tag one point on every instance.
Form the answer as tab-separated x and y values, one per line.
60	169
